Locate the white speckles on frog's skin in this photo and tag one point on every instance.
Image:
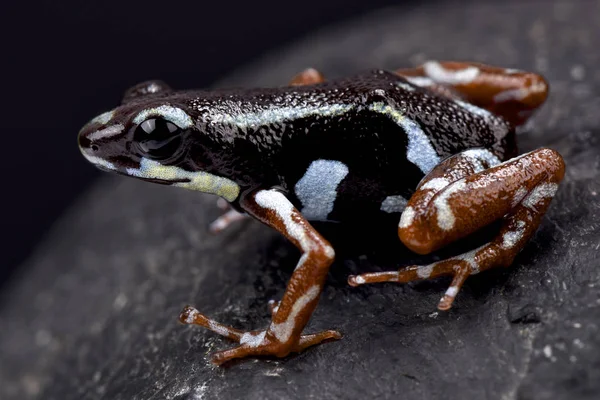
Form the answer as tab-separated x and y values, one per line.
511	238
407	217
252	340
191	317
98	161
445	216
393	204
169	113
103	118
474	109
108	132
420	81
283	330
405	86
419	150
200	181
317	189
452	291
438	73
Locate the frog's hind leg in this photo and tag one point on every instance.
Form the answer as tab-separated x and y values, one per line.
510	93
462	195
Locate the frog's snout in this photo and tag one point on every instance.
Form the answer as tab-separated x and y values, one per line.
94	139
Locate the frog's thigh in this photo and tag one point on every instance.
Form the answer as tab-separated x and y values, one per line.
513	94
461	196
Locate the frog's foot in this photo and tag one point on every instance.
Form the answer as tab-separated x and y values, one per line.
255	343
462	195
229	217
510	93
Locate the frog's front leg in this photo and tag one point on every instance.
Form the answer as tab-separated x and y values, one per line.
512	94
284	334
465	193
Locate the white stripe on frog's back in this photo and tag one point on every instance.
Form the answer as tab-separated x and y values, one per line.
198	180
317	189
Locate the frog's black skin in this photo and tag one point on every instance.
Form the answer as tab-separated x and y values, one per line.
278	148
428	142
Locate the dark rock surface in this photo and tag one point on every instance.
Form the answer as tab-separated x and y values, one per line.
94	313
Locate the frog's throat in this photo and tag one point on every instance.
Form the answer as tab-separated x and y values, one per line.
199	180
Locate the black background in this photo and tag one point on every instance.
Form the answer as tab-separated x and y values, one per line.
65	62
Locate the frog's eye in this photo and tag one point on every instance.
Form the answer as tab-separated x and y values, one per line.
158	138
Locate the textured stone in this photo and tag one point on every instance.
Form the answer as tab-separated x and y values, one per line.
94	313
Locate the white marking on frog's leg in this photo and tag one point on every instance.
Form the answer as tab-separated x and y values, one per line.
283	330
419	150
393	204
108	132
407	217
225	220
103	118
439	74
436	184
540	192
445	216
452	291
169	113
253	340
99	161
317	189
482	155
424	271
215	326
199	180
512	237
191	316
519	196
276	201
420	81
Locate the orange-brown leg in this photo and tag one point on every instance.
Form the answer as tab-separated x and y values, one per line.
510	93
284	334
462	195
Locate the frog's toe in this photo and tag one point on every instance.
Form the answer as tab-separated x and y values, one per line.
225	220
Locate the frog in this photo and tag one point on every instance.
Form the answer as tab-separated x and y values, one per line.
432	146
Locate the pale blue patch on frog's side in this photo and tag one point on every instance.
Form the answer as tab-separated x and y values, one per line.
393	204
103	118
169	113
107	132
317	189
199	180
419	150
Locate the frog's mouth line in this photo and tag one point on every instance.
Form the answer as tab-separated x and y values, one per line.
153	180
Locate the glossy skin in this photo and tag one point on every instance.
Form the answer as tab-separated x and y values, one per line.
435	143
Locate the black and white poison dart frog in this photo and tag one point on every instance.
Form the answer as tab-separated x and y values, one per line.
433	146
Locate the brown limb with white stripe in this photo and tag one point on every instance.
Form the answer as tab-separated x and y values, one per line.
291	314
464	194
512	94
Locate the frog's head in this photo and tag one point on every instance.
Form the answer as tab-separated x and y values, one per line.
147	137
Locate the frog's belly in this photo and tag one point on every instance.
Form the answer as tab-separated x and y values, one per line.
329	191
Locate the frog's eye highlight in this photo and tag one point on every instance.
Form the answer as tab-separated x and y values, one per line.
158	138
